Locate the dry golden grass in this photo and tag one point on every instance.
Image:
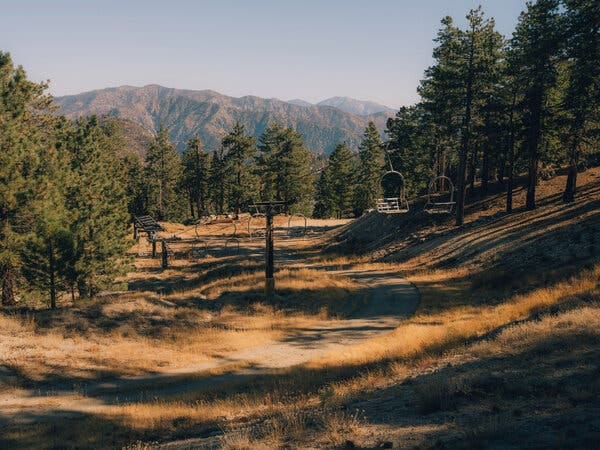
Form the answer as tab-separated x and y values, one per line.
426	333
301	405
139	333
401	353
287	279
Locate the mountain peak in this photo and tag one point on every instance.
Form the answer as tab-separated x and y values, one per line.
354	106
300	102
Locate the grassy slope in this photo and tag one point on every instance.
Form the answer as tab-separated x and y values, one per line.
503	352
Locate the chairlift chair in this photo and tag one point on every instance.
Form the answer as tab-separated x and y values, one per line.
440	200
394	200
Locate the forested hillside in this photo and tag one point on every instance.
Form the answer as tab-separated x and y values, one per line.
63	197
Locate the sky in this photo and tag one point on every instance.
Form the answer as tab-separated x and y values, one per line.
302	49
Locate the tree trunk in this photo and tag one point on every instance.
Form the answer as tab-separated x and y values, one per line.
531	181
569	193
8	286
52	290
485	171
533	143
511	155
52	264
238	200
464	144
191	202
473	170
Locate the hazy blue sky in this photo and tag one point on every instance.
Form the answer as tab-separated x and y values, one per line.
309	49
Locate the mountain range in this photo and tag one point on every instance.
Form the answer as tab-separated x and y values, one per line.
350	105
211	115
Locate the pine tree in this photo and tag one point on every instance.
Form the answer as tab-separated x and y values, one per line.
239	149
583	93
341	179
48	256
97	198
407	145
535	44
370	170
324	202
136	185
218	181
294	181
25	130
479	62
283	164
163	169
269	147
195	176
48	259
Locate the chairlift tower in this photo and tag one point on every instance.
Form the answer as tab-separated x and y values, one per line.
270	208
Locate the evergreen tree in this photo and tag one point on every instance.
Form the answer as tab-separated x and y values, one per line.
218	181
341	171
535	45
48	259
583	93
98	201
136	186
239	149
324	201
48	256
195	176
284	167
25	131
370	170
163	169
479	61
407	147
269	146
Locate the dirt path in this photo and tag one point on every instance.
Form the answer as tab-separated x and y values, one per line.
387	301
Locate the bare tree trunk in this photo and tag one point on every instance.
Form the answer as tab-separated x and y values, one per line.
533	143
473	170
52	264
532	178
192	211
8	286
485	171
570	188
511	155
464	144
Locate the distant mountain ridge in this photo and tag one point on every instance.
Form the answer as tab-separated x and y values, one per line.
358	107
210	114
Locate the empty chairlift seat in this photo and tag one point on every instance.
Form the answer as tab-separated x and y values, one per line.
440	196
394	200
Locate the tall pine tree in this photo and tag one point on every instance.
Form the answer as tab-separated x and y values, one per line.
195	176
370	170
163	175
239	149
535	44
97	198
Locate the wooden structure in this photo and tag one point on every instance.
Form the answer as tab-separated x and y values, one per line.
394	191
394	201
269	210
145	224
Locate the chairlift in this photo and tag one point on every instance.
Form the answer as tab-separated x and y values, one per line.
394	200
440	196
302	231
